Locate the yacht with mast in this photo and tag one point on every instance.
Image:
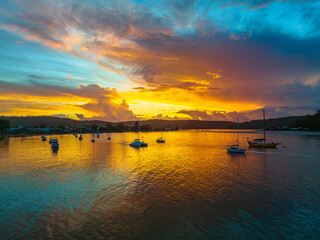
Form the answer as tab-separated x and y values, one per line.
262	142
236	148
161	140
138	142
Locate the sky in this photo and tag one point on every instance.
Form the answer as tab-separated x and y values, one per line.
124	60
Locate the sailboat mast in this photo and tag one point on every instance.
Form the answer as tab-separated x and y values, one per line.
264	125
238	130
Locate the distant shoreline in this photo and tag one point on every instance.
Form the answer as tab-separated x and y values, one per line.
253	131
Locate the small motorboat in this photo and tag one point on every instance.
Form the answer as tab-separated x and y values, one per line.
109	138
50	141
93	138
80	138
55	143
235	149
98	135
43	138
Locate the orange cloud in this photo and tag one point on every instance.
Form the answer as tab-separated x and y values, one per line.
214	75
93	101
167	68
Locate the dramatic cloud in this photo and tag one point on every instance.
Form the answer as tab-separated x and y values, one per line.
214	115
272	112
209	60
99	103
162	117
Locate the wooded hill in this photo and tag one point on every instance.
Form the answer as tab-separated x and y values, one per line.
44	121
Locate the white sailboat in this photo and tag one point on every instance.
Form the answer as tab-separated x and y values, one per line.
138	142
161	140
236	148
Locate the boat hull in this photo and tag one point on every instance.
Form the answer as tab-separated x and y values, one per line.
236	150
138	144
263	145
160	141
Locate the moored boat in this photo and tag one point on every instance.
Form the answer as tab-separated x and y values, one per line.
137	143
161	139
236	148
55	142
262	142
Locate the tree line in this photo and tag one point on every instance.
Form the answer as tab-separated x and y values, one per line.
312	122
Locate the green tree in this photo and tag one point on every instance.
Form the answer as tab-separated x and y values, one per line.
120	127
109	127
145	127
312	122
136	126
94	127
4	124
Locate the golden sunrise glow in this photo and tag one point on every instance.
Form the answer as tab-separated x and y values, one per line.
132	63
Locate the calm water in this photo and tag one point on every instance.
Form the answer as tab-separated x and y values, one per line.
187	188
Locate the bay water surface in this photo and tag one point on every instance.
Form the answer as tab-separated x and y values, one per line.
187	188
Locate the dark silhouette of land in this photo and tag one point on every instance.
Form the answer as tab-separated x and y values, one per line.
153	124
